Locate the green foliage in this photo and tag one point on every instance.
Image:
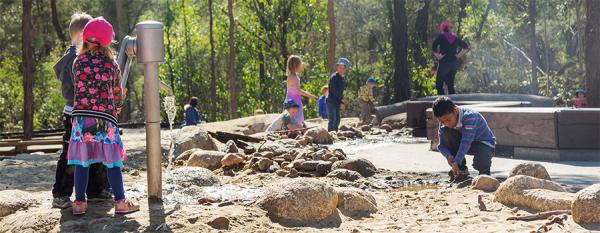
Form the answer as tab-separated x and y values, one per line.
267	31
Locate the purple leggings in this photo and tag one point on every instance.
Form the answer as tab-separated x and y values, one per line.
115	178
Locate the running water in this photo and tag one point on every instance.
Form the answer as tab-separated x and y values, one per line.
171	110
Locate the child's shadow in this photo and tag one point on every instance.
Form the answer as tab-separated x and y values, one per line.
99	217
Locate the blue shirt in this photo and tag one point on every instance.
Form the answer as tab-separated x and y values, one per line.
192	117
322	106
473	127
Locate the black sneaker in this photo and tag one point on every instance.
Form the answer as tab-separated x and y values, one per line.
61	202
104	195
462	176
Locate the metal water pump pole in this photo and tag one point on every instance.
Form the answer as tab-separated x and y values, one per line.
150	52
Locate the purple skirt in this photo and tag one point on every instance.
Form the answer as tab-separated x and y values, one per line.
95	140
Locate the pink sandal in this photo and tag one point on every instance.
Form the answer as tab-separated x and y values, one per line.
125	206
79	207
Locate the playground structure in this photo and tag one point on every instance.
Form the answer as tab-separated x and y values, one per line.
526	127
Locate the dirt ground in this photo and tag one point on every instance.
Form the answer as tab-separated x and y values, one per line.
431	206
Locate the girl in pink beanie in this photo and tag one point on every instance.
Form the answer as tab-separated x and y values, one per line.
97	103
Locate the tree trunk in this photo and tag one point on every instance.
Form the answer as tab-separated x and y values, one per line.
462	13
332	36
27	66
420	40
483	19
401	76
120	29
592	53
56	23
233	95
533	49
213	75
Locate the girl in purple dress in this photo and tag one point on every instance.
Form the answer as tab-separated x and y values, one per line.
294	92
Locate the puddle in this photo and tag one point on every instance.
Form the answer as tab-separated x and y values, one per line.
370	142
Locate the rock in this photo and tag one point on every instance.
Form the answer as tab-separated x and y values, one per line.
323	168
297	164
14	200
356	202
303	141
346	128
345	174
347	134
530	169
535	193
206	159
189	176
289	156
270	146
365	128
339	153
190	137
315	165
40	220
586	206
282	172
293	173
268	155
485	183
333	159
220	223
231	147
134	173
397	121
275	167
386	127
284	164
231	159
264	164
319	135
301	200
362	166
208	200
249	150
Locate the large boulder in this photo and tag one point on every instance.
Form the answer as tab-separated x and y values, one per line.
535	193
530	169
14	200
586	206
356	202
300	201
345	174
192	176
190	137
319	135
205	158
41	220
485	183
362	166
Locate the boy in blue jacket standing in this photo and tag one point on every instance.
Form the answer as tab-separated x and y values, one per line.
335	98
463	131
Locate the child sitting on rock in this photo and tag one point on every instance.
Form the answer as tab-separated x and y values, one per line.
366	101
287	120
463	131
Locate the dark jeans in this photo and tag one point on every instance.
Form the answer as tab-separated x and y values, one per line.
333	114
482	154
63	185
446	73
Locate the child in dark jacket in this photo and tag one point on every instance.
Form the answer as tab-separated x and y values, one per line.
190	113
63	186
335	99
463	131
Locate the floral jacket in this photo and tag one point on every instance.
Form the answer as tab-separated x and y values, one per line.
97	87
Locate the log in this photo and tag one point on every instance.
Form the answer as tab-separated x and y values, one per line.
536	101
539	216
224	137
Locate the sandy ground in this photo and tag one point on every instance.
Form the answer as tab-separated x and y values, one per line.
437	208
